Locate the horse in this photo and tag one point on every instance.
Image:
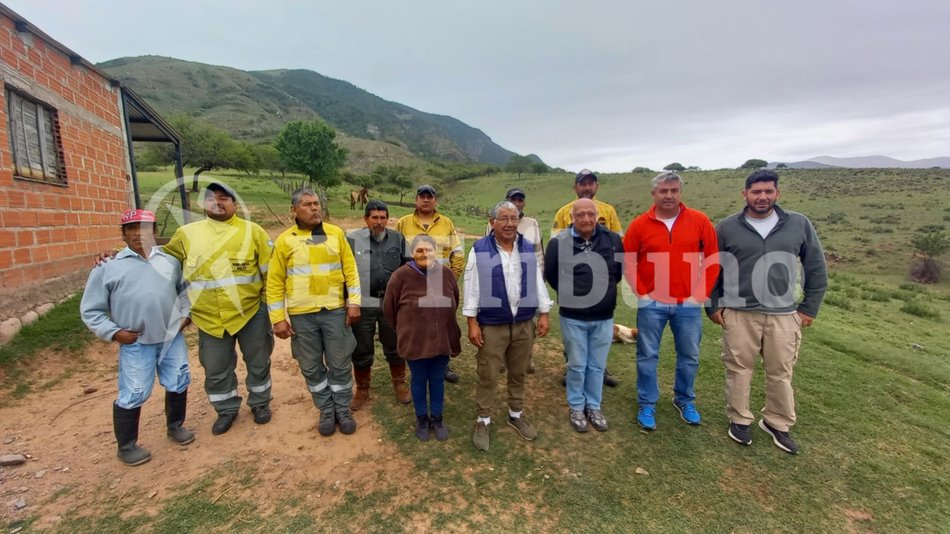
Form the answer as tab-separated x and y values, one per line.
360	196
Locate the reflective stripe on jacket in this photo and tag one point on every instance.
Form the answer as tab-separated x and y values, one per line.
223	264
308	273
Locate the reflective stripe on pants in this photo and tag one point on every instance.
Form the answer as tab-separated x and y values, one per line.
219	359
322	346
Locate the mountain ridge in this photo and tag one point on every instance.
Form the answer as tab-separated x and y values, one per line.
865	162
254	106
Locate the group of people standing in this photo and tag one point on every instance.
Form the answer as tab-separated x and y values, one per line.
330	293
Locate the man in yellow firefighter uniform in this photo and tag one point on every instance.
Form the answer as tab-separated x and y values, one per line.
313	296
224	259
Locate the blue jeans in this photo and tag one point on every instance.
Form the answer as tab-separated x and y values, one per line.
686	323
138	363
428	373
586	344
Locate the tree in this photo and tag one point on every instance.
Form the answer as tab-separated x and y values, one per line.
268	158
242	158
754	164
674	167
309	147
927	247
394	178
519	164
641	169
781	166
539	168
202	146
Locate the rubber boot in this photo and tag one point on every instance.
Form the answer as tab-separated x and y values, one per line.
126	425
175	404
361	396
398	371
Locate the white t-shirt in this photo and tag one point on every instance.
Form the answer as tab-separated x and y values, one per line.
763	226
669	222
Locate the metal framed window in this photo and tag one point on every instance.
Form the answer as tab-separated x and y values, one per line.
34	140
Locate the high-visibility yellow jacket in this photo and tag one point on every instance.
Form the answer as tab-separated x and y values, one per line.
606	215
223	264
309	272
442	230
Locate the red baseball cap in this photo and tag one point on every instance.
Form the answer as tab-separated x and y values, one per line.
137	216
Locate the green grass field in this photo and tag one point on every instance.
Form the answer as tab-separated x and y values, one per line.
872	387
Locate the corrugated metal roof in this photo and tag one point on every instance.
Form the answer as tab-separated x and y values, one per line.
144	123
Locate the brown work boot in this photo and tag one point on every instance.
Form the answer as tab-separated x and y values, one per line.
361	395
398	372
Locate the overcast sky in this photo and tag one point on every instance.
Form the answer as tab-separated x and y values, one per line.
608	85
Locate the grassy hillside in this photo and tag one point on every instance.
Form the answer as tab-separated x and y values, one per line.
362	114
229	98
255	105
364	155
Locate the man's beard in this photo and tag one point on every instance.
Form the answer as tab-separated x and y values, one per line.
378	236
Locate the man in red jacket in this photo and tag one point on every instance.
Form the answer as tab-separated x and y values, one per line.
667	249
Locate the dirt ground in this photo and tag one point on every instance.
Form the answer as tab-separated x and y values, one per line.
68	436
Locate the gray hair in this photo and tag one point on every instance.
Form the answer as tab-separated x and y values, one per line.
422	238
666	177
300	193
503	205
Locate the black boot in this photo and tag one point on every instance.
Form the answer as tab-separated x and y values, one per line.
422	427
126	425
175	404
437	426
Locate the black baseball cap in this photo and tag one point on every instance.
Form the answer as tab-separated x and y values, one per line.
222	188
585	174
426	189
514	193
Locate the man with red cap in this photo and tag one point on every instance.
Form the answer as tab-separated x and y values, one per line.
137	301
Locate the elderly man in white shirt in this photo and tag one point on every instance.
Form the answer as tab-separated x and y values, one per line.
504	290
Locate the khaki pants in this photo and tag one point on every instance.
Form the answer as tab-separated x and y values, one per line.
509	345
746	335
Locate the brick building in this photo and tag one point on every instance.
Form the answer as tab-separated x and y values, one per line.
66	164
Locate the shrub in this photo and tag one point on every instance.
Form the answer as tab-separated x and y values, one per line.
876	295
838	301
837	218
927	246
920	310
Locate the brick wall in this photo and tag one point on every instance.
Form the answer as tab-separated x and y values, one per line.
48	233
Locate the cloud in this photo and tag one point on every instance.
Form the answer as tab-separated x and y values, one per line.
606	84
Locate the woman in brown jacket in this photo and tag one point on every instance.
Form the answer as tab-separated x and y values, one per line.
421	301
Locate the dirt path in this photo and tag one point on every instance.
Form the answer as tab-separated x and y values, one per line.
68	435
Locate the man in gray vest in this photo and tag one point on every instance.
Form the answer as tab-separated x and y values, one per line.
379	252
